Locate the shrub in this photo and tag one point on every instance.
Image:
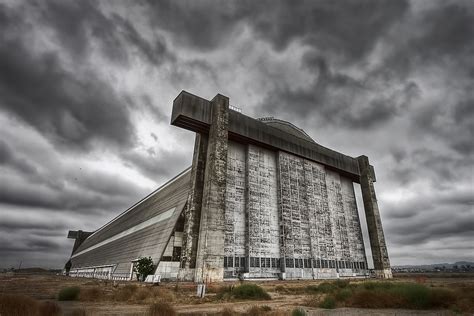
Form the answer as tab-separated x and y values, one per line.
374	299
341	283
415	295
298	312
343	294
69	293
328	302
144	267
250	292
327	287
161	309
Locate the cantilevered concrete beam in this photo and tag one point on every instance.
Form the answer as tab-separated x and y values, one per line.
194	113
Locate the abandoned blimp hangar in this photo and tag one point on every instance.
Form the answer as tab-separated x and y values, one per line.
261	200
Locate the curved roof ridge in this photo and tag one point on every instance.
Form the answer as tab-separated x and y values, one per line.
275	120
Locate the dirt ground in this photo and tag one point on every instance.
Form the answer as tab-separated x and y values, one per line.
46	287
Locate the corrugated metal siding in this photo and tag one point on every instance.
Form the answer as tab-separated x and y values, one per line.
149	241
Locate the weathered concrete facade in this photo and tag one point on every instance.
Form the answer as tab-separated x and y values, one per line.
261	200
285	206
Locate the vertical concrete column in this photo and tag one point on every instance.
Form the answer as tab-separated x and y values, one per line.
374	223
193	209
210	254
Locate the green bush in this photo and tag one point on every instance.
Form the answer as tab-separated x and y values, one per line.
328	302
399	295
341	283
249	292
298	312
144	267
416	296
69	293
327	287
343	294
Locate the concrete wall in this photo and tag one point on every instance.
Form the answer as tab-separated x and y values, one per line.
263	217
319	221
235	246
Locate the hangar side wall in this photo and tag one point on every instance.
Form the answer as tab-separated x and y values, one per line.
144	230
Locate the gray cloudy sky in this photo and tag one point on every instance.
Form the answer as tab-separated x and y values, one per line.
86	89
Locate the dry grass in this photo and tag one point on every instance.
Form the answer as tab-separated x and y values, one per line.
79	312
161	309
20	305
50	308
124	293
91	294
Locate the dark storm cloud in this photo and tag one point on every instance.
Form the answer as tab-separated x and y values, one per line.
85	190
199	24
334	26
74	109
348	29
339	99
155	53
155	164
397	73
75	22
438	168
9	158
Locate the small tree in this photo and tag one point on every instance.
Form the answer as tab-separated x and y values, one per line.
144	267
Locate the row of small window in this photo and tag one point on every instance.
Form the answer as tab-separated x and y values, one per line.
322	263
256	262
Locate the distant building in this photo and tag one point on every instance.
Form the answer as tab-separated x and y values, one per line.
261	200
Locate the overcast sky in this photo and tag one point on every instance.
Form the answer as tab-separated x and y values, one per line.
86	90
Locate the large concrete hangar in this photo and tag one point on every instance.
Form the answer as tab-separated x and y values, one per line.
261	200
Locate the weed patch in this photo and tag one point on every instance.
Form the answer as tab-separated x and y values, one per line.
69	293
246	291
298	312
329	302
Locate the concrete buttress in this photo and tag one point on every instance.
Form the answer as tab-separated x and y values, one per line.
193	209
374	222
210	252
